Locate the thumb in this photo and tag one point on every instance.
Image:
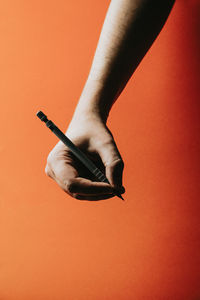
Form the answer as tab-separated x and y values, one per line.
113	163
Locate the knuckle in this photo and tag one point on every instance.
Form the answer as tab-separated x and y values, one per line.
49	158
47	171
71	186
118	162
121	163
108	140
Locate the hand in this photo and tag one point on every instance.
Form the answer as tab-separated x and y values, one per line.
92	136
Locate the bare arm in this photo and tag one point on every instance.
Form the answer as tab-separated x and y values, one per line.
129	30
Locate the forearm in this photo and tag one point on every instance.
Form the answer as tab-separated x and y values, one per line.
129	29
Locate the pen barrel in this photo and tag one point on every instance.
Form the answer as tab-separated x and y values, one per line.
77	152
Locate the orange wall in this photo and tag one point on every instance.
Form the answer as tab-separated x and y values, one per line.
54	247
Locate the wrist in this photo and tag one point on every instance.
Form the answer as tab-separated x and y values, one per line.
89	111
94	102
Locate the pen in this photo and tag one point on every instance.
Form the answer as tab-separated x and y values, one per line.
75	150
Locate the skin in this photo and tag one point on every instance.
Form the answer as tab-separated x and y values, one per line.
129	29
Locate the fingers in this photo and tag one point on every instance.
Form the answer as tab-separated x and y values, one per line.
73	178
113	163
93	198
85	186
71	189
80	188
96	197
114	172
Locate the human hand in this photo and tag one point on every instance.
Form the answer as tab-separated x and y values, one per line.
92	137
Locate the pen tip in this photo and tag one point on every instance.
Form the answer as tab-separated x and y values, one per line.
120	196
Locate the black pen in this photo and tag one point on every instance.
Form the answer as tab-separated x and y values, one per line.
75	150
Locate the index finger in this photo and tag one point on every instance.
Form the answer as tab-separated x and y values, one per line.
68	178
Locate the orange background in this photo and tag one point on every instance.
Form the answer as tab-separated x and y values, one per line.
54	247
